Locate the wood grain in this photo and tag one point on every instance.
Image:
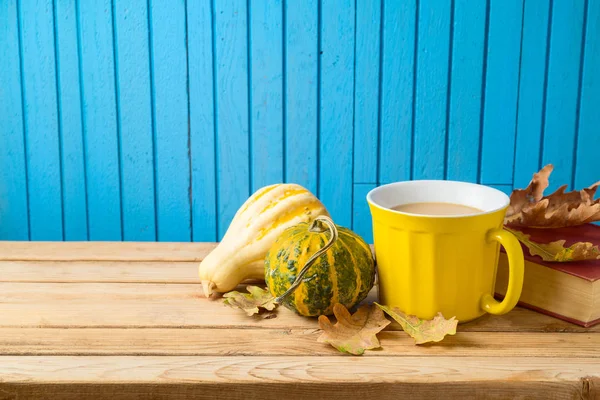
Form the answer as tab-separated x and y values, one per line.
100	125
265	56
589	119
168	37
397	90
301	43
74	202
386	377
336	106
563	83
230	44
464	109
500	91
184	305
586	388
366	92
41	119
431	91
13	186
200	36
103	251
531	91
135	119
100	271
283	342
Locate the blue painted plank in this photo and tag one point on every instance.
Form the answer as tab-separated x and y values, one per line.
171	134
366	97
336	109
301	82
586	172
135	119
14	217
563	89
397	74
501	91
100	120
465	90
361	218
40	110
231	48
74	201
266	113
531	91
202	121
503	188
431	92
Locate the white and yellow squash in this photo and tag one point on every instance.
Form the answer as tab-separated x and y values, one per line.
255	227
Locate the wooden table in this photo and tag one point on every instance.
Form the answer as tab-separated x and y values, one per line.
129	321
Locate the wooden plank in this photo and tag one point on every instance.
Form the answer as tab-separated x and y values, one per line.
562	90
531	91
361	218
101	145
503	188
300	92
266	93
13	185
336	109
231	52
397	74
171	124
135	119
501	91
589	118
275	377
366	94
202	120
40	111
100	271
431	91
104	251
70	117
586	389
465	90
283	342
184	305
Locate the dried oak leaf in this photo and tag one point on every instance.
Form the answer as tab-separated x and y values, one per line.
530	208
251	302
556	251
354	333
423	331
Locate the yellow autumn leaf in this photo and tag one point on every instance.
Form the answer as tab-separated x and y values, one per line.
251	302
556	251
423	331
354	333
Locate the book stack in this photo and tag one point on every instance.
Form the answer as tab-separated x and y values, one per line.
567	290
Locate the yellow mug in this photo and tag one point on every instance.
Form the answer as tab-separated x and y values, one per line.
431	263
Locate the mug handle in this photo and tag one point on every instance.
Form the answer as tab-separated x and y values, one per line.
515	273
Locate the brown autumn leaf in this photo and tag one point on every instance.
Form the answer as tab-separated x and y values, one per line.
530	208
354	333
251	302
423	331
556	251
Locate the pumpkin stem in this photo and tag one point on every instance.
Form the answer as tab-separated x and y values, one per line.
320	224
208	287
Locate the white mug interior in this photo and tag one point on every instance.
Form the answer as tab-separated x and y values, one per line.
484	198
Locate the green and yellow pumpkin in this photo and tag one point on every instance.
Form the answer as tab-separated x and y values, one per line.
344	274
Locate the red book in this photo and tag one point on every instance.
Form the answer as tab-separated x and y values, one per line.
569	291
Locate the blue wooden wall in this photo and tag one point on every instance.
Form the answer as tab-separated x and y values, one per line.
155	120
